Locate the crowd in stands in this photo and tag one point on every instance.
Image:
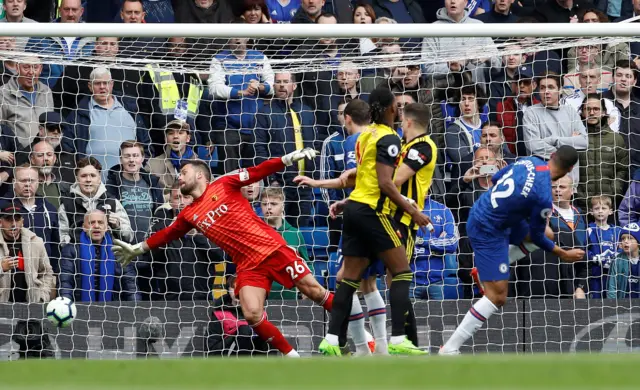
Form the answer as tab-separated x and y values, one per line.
90	149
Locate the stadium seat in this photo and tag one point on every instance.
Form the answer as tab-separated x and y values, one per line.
317	241
332	268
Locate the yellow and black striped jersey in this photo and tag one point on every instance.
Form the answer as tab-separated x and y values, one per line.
378	143
420	155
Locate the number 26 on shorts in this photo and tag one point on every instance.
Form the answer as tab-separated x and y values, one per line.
297	269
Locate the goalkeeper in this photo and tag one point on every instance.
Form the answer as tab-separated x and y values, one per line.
224	216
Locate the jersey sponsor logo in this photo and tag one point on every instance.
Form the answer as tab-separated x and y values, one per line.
212	216
243	174
393	150
416	156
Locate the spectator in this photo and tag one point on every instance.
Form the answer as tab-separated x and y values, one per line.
409	80
371	78
238	97
464	134
431	248
434	47
510	112
252	194
608	56
140	192
14	13
560	11
184	269
548	125
625	77
624	276
74	85
590	81
363	13
155	11
502	79
586	58
254	11
165	96
629	9
132	11
103	121
604	165
41	11
541	61
26	275
332	156
51	187
477	179
402	11
89	271
348	82
8	67
24	98
41	216
309	11
272	204
282	11
499	13
8	152
86	194
50	131
603	245
66	48
629	211
544	275
283	125
493	138
177	148
203	11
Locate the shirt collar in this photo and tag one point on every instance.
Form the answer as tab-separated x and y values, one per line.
116	104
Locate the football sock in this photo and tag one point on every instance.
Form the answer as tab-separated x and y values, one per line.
473	320
269	333
378	320
400	302
356	326
293	354
339	323
410	326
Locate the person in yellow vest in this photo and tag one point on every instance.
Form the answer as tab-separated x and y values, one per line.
163	92
283	125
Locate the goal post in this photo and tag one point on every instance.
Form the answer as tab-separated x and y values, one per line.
306	74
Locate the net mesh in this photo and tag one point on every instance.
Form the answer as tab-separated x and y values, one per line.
113	90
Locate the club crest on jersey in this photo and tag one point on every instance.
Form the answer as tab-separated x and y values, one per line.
214	198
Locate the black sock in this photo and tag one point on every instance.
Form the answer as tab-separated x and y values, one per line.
342	301
399	301
411	327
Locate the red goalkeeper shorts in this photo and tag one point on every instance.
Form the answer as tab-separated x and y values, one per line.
283	266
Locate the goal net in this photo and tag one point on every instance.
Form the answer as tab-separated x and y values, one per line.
106	125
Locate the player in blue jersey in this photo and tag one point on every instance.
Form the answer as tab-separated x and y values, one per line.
516	209
356	115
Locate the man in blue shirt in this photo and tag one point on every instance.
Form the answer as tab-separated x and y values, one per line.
238	96
282	11
516	208
431	248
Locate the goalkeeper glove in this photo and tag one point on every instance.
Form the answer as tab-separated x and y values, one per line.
125	252
294	157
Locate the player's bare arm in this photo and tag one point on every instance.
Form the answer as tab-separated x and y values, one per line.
389	188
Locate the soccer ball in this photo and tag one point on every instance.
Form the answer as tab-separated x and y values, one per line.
61	312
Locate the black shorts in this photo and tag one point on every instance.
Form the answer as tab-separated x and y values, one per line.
366	233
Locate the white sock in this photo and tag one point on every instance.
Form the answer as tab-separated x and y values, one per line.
378	319
332	339
293	354
516	253
356	326
473	320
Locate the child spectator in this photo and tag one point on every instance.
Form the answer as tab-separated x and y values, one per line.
624	280
601	249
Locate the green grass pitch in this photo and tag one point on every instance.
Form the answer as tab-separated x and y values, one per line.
480	372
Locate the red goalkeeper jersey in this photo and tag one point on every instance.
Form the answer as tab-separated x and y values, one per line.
226	218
